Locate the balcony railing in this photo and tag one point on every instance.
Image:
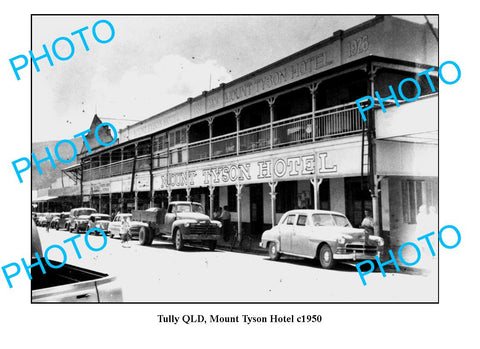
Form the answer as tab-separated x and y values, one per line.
224	145
338	121
255	138
293	130
326	123
199	151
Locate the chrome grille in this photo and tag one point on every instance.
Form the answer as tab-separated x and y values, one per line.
203	229
360	248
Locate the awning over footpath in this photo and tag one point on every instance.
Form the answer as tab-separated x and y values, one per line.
44	198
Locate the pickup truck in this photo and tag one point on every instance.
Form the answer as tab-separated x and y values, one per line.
70	284
182	222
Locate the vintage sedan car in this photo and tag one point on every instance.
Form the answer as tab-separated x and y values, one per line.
115	225
75	213
42	219
62	222
324	235
80	224
99	220
55	218
35	216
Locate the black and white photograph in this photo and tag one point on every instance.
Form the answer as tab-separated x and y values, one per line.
238	174
246	167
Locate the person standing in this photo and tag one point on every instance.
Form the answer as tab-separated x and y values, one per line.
225	218
49	219
367	222
124	232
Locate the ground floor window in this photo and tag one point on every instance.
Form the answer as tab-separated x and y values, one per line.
416	193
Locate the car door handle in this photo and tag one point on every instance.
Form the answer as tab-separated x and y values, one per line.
85	295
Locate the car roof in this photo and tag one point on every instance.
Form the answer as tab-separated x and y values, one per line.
185	202
311	211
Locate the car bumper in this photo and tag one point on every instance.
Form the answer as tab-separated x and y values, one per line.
200	237
355	256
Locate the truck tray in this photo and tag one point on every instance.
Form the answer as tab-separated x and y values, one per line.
157	216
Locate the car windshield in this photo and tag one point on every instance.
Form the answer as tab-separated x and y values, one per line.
197	208
183	208
321	219
189	208
128	218
325	219
341	221
102	217
85	212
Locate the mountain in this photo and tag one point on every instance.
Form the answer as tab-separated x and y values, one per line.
50	175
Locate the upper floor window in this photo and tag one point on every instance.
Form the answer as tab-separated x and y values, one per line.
177	137
160	142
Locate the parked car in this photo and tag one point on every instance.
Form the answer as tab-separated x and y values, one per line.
81	223
115	225
42	219
35	217
324	235
99	220
62	222
69	283
75	213
55	218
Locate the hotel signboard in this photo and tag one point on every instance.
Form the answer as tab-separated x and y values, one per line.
333	162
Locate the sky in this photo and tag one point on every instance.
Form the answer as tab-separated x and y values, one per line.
156	62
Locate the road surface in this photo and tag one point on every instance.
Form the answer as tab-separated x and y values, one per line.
159	273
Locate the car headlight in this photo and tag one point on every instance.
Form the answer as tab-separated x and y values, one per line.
187	225
341	240
219	224
380	242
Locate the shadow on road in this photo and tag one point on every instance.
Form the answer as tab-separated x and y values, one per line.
346	266
165	245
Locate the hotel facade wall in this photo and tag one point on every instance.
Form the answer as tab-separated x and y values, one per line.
327	143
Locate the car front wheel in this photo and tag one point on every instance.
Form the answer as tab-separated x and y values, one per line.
178	240
273	251
326	257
